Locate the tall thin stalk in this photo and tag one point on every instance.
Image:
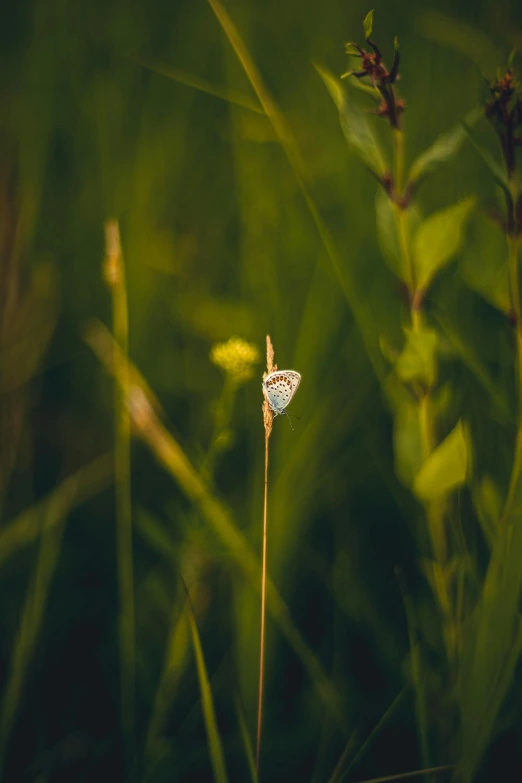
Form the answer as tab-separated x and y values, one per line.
513	242
222	419
115	277
268	417
503	112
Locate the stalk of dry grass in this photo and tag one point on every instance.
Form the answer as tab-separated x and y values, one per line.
268	418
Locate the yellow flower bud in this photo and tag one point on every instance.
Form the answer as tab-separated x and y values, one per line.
237	358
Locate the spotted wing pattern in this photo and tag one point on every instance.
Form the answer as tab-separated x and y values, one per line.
280	386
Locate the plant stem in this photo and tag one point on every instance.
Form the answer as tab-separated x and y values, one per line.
434	510
516	470
401	219
222	418
398	142
115	275
263	607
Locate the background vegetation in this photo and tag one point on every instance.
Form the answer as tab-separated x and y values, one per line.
131	495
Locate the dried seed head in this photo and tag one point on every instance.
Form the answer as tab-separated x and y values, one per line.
268	414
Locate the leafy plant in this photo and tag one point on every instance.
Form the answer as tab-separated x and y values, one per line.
432	460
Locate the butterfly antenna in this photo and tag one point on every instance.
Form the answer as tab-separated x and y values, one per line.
289	420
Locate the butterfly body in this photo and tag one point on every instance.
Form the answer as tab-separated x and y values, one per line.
279	388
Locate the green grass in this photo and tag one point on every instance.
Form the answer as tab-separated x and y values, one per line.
256	193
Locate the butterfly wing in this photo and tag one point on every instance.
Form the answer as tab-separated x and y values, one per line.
280	386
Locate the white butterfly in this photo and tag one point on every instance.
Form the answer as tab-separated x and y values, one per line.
279	388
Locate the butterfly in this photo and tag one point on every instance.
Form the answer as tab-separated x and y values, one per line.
279	388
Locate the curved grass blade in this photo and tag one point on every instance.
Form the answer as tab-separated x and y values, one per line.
247	742
495	168
214	740
52	528
339	776
289	146
198	83
408	775
468	355
74	490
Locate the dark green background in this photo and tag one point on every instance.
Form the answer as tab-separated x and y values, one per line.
218	241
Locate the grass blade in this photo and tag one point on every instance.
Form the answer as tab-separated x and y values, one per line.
287	142
339	776
408	775
214	740
115	277
52	526
198	83
247	742
74	490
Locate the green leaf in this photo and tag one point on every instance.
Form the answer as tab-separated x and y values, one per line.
357	131
387	232
442	398
407	445
417	361
438	239
488	503
362	86
390	353
499	174
442	150
484	265
368	24
446	468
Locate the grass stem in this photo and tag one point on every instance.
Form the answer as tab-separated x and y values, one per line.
516	470
115	277
263	612
434	511
289	146
268	418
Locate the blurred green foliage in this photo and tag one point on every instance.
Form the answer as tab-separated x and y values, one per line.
244	211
